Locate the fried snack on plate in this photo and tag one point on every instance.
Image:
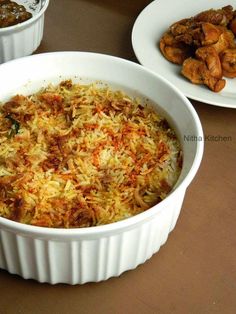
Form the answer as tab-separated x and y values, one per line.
197	72
226	40
217	17
197	34
173	50
211	58
205	45
228	61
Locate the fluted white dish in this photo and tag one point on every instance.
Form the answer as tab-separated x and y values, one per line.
81	255
24	38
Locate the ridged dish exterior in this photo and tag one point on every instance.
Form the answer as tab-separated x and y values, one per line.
21	42
87	258
77	256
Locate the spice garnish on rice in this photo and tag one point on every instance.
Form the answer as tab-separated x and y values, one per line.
76	155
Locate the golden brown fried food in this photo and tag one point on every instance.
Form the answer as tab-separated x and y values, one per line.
196	71
181	27
226	40
205	45
209	34
211	58
183	30
193	70
217	17
198	34
174	51
228	61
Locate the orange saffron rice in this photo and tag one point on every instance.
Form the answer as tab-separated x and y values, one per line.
76	155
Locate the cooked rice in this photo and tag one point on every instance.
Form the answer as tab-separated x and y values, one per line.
77	155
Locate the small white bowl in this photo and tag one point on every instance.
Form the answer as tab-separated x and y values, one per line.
96	253
24	38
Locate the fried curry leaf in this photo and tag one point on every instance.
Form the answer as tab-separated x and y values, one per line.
14	127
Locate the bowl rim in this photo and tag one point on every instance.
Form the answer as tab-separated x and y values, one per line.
20	26
141	217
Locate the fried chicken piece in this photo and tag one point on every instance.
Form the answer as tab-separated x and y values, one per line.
189	32
182	27
182	31
172	50
211	58
202	43
228	62
196	71
226	40
210	34
179	42
217	17
203	34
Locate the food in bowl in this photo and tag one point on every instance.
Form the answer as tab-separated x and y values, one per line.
79	255
20	32
205	47
12	13
75	155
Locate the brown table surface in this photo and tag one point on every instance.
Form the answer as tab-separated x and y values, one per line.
195	271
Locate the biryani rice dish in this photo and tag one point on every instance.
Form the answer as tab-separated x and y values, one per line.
75	155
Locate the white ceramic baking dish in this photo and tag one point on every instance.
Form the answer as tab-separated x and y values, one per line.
93	254
24	38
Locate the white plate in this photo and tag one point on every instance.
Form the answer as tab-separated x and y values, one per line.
152	22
